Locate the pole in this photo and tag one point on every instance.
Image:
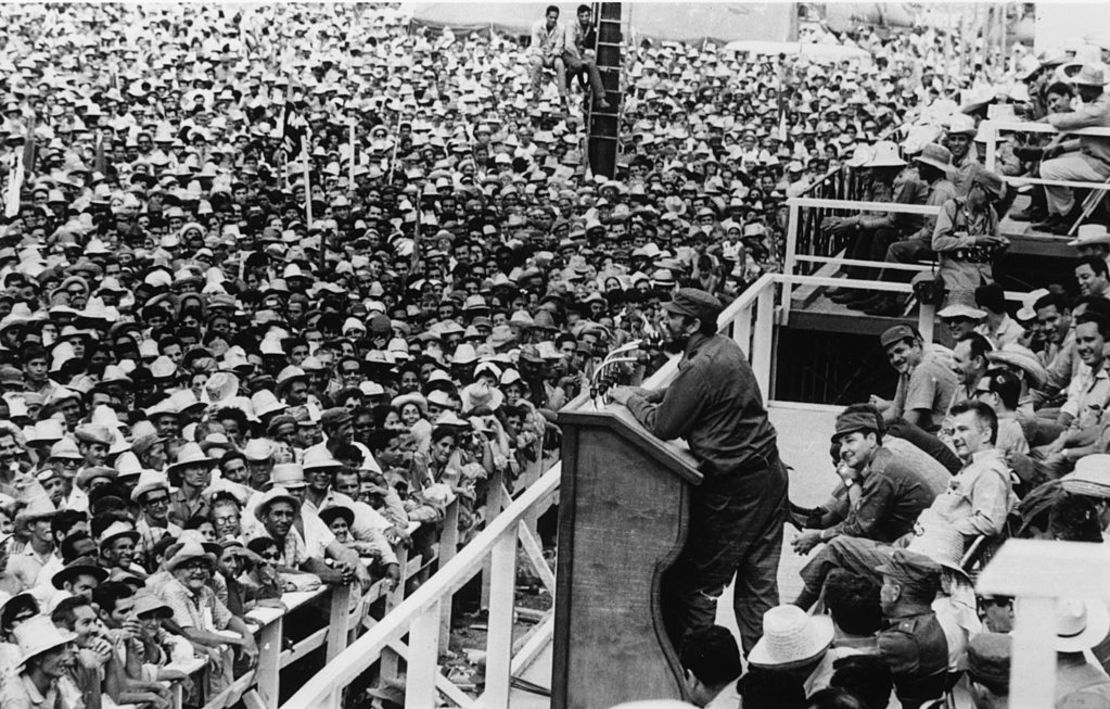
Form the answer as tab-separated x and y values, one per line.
354	158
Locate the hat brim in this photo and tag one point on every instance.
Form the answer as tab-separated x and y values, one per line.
820	640
69	572
946	169
1098	626
1037	374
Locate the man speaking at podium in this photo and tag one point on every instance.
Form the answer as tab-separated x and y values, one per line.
737	513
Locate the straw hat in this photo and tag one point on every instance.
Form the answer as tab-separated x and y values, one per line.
1091	477
961	310
1080	624
1089	234
150	480
146	604
320	459
480	394
791	638
1027	312
413	398
941	543
190	549
85	565
287	476
936	156
1023	358
1090	75
190	455
114	531
885	154
275	494
38	635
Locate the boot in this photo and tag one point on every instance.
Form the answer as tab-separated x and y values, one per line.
888	307
1032	213
870	300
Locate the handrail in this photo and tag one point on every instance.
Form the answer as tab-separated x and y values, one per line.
992	129
455	573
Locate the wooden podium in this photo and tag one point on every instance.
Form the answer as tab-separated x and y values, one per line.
624	504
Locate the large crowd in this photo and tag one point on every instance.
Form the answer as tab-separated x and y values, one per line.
280	282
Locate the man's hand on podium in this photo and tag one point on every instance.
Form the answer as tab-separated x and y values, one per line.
620	394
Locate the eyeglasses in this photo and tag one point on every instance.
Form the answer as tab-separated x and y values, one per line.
349	372
165	500
273	556
75	291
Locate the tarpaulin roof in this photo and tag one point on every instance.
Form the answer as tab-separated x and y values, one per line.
679	21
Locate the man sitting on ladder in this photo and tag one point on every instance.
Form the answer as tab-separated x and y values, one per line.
580	37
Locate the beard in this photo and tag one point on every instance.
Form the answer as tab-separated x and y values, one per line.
674	342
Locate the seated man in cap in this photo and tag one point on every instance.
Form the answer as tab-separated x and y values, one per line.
966	237
888	496
925	386
912	641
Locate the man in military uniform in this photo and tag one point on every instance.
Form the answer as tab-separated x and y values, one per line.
737	513
911	641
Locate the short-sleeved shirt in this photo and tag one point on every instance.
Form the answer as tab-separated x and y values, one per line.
1088	397
929	387
202	611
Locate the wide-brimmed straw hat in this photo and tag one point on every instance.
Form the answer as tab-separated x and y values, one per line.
1080	624
791	638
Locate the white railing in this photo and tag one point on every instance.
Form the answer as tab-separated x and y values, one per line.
1037	573
992	129
258	688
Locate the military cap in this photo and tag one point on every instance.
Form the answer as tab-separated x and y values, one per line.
851	421
897	334
988	658
910	568
335	416
694	303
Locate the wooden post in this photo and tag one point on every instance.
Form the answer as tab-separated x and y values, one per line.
339	619
926	321
788	264
390	663
499	640
420	685
269	662
1033	663
494	505
764	337
448	547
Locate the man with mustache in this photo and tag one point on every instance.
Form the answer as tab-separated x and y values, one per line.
737	513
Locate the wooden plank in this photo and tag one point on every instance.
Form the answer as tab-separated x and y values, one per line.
423	660
339	620
304	647
448	547
499	639
534	551
367	649
494	504
269	663
444	685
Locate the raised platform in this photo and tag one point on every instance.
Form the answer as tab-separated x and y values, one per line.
803	431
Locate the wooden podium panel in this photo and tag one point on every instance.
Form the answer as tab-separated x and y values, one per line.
623	509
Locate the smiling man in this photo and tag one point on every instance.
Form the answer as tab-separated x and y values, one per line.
1088	396
1093	276
980	496
925	386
